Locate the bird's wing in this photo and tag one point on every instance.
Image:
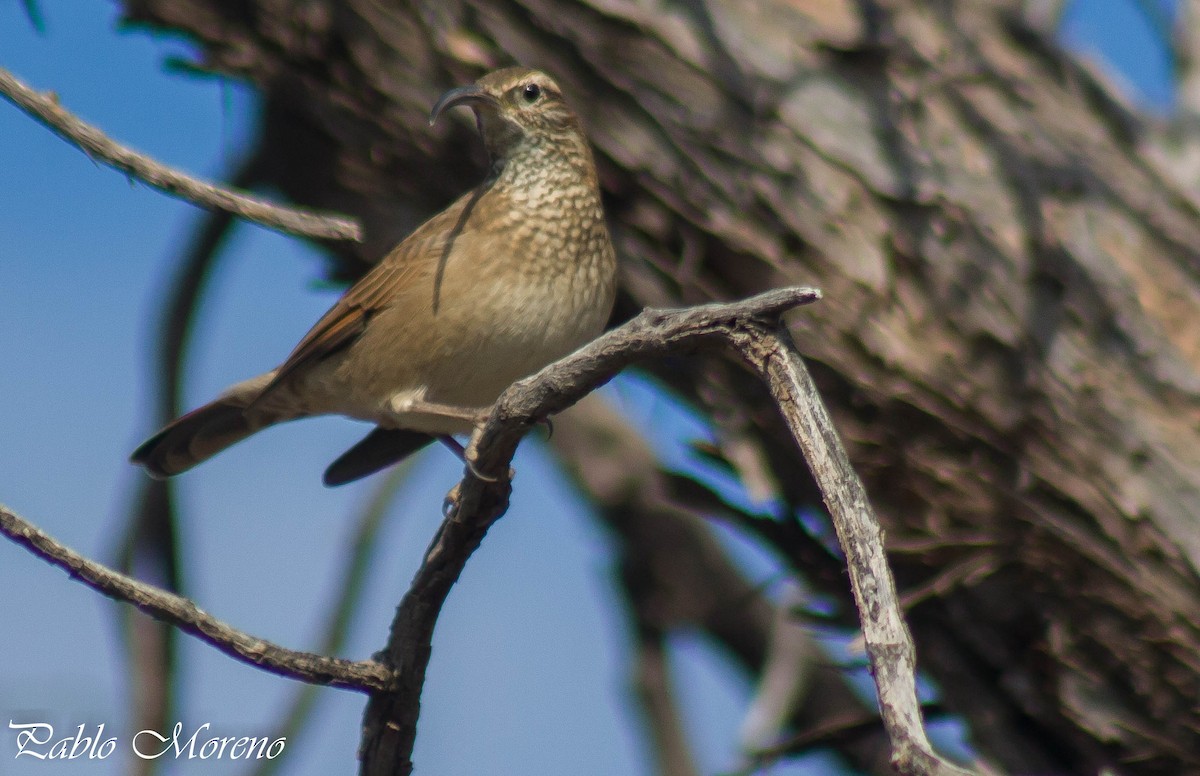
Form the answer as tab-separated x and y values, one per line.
417	254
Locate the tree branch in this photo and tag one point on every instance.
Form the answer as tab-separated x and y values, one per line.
888	641
664	723
184	614
753	330
98	146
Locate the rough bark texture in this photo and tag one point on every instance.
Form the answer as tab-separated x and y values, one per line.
1009	343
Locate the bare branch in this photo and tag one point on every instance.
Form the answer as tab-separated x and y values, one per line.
98	146
184	614
751	328
390	722
889	643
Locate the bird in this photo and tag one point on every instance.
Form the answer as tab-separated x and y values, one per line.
512	276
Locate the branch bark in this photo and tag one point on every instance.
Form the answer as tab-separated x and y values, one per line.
888	641
184	614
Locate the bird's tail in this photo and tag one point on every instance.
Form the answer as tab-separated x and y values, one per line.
377	450
200	434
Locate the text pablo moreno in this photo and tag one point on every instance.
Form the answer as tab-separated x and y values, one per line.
37	740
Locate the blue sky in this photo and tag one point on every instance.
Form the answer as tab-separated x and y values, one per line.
529	673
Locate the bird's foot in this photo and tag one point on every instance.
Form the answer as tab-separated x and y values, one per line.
469	459
450	503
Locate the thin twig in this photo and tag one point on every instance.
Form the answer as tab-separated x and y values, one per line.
752	329
98	146
184	614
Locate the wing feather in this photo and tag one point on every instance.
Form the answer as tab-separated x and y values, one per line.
349	317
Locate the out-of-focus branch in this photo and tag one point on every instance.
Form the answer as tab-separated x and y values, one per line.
786	677
752	329
34	14
652	683
836	732
1186	43
149	550
1044	15
1174	144
185	615
98	146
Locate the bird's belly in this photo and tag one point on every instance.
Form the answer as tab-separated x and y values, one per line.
524	329
463	354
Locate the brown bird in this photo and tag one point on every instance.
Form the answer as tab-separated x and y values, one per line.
514	275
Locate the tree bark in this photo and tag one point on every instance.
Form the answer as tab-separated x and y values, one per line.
1009	342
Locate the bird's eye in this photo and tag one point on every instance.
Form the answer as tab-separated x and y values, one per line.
531	92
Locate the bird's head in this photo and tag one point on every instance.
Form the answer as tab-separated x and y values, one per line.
514	107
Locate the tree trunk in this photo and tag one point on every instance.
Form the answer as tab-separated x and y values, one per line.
1009	342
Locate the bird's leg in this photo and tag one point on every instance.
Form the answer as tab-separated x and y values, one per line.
472	415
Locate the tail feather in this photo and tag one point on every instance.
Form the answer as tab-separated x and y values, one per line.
197	436
377	450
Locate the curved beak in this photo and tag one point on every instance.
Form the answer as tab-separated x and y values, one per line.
463	95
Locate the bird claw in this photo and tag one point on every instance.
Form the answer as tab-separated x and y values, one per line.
450	503
468	458
478	474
